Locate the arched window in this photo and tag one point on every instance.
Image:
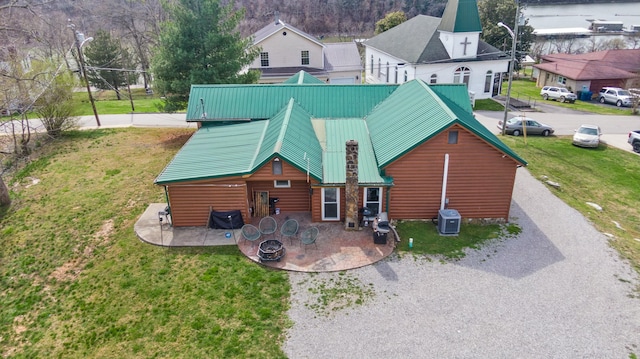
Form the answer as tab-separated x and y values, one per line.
461	75
372	64
434	79
488	80
379	67
406	76
386	79
395	79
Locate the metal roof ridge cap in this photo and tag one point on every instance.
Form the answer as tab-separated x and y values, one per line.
284	126
443	105
259	146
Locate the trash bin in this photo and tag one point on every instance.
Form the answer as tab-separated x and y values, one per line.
585	95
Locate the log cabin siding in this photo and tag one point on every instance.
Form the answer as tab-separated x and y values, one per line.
293	199
288	173
479	185
190	203
316	202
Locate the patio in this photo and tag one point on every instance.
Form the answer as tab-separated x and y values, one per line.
336	250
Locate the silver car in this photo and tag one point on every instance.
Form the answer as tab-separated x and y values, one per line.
587	136
518	125
615	95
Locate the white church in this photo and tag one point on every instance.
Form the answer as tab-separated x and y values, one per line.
438	50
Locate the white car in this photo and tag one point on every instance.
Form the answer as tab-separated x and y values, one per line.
558	93
587	136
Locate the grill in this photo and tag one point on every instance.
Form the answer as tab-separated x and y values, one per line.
271	250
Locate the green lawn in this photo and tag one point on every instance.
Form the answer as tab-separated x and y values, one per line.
77	283
107	104
526	90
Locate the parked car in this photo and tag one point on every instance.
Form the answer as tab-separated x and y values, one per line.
615	95
517	125
634	140
558	93
587	136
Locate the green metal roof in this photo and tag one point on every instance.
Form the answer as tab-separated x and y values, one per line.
399	122
242	148
303	77
339	131
418	114
224	102
461	16
290	136
215	151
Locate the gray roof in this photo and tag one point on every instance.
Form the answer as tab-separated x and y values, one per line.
403	43
342	56
276	26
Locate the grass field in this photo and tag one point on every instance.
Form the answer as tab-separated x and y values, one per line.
77	283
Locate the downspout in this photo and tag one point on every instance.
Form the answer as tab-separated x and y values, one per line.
444	181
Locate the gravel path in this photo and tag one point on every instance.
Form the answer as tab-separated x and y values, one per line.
556	291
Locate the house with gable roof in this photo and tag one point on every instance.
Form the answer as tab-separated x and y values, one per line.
593	70
438	50
405	148
286	50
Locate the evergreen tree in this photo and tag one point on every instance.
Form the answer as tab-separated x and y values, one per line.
106	53
200	45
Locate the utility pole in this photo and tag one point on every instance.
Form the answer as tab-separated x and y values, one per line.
80	41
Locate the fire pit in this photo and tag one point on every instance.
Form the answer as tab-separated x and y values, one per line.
271	250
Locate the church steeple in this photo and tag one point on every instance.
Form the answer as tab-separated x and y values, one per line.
460	28
461	16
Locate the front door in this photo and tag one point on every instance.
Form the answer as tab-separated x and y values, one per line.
261	203
497	81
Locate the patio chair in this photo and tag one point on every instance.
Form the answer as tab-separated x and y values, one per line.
289	229
250	233
309	237
268	225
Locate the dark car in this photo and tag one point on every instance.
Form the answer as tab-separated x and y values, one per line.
518	125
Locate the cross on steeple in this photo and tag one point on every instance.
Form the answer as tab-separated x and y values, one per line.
465	43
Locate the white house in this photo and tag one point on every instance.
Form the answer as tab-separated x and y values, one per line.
438	50
286	50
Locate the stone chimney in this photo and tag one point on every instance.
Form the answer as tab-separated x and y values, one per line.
277	17
351	186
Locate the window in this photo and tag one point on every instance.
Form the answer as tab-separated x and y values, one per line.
386	72
372	199
330	203
406	76
372	64
282	184
276	166
488	80
395	79
453	137
562	80
433	79
264	59
379	67
461	75
305	57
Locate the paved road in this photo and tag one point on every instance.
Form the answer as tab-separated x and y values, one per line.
615	128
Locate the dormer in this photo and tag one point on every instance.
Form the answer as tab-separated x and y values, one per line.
460	29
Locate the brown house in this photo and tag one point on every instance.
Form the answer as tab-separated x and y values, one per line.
408	150
593	71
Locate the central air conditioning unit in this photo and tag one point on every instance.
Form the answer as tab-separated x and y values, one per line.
448	221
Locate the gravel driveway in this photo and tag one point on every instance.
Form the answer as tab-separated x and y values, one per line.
557	290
